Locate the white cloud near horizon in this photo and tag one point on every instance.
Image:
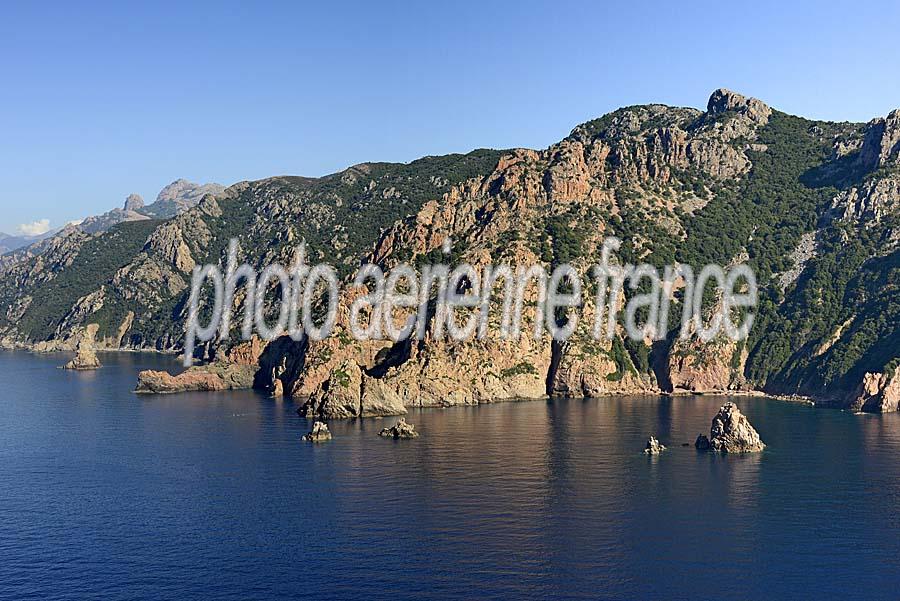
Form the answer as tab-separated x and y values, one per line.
35	228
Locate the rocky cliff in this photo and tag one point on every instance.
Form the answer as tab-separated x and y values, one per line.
812	206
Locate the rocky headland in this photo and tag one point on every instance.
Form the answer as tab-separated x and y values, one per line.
674	183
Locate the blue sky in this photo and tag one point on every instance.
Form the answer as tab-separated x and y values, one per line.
101	100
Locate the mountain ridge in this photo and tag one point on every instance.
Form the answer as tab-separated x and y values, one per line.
677	184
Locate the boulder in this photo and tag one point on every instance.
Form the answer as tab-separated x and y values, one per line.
654	447
731	432
319	433
702	443
400	430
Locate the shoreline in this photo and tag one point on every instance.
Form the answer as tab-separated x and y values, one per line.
813	401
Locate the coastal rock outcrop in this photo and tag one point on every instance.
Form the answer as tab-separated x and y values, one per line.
654	447
702	442
85	357
706	367
319	433
216	376
662	179
877	393
731	432
400	430
348	392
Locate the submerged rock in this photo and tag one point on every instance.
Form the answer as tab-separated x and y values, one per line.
702	443
654	447
319	433
400	430
731	432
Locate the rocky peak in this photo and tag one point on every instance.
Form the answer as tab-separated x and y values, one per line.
882	142
633	121
134	202
183	190
174	190
723	101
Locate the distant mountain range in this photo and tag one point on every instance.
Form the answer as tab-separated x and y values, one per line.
812	206
175	198
9	243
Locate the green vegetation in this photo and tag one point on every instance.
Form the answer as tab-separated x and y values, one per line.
520	368
363	201
769	212
96	263
639	353
341	378
840	319
619	354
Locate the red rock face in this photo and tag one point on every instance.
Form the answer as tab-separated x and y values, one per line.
216	376
161	382
247	353
700	367
877	393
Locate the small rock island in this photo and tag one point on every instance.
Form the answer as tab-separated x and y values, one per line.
400	430
654	447
730	432
319	433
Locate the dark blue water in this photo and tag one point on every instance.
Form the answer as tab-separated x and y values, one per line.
109	495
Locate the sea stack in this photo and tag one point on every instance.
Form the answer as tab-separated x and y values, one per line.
85	357
731	432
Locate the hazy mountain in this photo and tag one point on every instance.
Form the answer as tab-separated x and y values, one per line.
9	243
175	198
